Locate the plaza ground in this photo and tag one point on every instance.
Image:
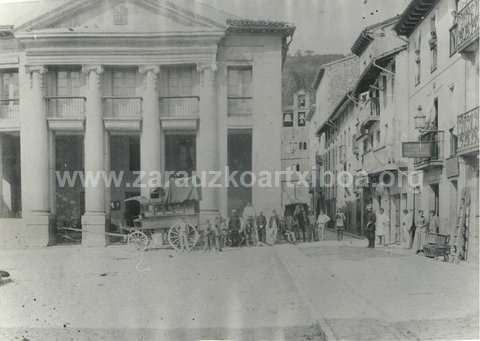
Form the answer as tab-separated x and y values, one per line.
304	292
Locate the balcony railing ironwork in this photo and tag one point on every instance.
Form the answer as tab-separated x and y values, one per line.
240	106
435	140
467	25
179	106
9	109
369	114
63	107
122	106
467	127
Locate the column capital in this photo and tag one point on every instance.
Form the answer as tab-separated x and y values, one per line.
202	66
149	68
41	69
97	68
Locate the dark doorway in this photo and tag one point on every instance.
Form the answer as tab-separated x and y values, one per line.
69	197
180	153
240	160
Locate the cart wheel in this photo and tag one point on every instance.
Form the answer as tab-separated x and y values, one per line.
174	234
138	240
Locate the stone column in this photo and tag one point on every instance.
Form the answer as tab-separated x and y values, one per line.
150	145
207	140
35	137
93	221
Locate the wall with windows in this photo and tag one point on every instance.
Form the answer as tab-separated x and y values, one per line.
437	90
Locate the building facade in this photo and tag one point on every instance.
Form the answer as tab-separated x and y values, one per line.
443	110
330	86
361	139
295	148
134	88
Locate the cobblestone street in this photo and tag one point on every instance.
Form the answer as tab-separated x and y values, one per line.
286	292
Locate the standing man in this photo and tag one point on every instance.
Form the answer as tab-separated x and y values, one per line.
251	233
261	225
299	216
234	228
340	224
382	225
311	227
371	222
322	221
433	223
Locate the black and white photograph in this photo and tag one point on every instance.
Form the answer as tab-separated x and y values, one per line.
239	170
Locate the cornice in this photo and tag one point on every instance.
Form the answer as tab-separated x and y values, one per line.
67	34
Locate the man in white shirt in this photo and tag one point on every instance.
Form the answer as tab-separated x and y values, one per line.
322	221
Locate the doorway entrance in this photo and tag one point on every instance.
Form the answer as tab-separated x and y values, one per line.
239	160
69	197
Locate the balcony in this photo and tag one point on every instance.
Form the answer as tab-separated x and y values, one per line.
240	106
467	26
122	113
9	109
435	142
9	114
180	106
65	113
467	127
369	114
65	106
180	113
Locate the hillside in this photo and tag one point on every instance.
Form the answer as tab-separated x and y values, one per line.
300	71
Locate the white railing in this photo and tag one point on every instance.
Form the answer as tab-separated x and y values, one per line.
9	109
122	106
179	106
58	106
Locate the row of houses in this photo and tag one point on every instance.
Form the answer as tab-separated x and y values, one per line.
404	106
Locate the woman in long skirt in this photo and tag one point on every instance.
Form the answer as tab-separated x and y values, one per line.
272	228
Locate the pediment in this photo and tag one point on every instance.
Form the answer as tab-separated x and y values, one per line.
117	16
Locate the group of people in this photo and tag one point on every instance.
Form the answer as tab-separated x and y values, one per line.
252	229
248	229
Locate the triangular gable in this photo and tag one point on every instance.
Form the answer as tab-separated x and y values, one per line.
148	16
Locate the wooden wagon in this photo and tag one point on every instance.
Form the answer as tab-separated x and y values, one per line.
169	219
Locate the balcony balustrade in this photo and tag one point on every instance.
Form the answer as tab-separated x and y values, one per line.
369	114
9	109
122	107
467	127
180	106
241	106
435	142
467	25
65	107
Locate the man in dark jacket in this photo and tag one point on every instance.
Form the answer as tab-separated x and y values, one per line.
261	225
234	228
371	221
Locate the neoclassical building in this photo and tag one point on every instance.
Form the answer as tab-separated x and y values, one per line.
131	86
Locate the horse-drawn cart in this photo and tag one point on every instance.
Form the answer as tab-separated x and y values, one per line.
171	219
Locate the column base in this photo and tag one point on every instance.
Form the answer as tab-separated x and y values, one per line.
93	226
37	227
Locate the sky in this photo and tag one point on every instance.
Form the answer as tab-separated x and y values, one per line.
324	26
